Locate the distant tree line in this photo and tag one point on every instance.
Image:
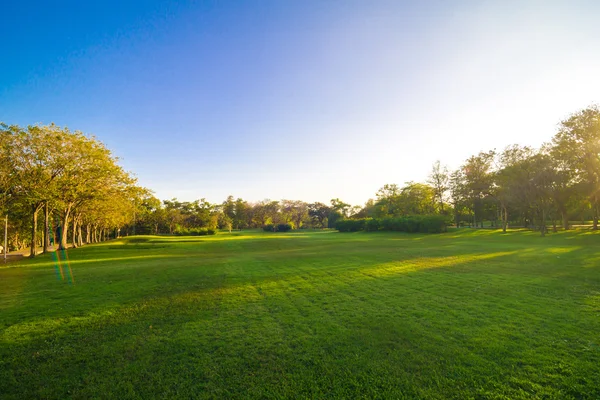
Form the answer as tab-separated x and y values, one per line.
173	216
84	196
518	186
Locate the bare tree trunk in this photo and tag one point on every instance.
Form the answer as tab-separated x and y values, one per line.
79	235
87	234
595	226
64	229
74	233
565	219
543	225
64	224
34	208
46	227
504	219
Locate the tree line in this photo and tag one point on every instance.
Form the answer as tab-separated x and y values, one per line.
71	179
518	186
174	216
84	196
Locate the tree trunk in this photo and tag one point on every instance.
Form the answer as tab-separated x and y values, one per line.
46	228
456	217
74	233
565	219
543	225
504	219
87	234
595	227
35	208
64	228
79	235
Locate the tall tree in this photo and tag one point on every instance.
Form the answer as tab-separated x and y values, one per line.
577	145
439	180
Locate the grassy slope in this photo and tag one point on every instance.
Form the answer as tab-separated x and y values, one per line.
317	314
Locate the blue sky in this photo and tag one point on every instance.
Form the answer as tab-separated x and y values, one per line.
301	100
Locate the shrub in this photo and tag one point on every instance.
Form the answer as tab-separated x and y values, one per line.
284	227
434	224
350	225
195	231
410	224
269	228
372	224
277	228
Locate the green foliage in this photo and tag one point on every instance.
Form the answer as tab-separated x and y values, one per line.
350	225
410	224
284	227
372	224
277	227
195	231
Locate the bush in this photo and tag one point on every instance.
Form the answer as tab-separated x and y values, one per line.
277	228
195	231
372	225
269	228
410	224
350	225
434	224
284	227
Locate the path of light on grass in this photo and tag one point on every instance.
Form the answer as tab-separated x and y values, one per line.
248	292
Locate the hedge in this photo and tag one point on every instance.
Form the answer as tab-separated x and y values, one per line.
277	228
410	224
195	232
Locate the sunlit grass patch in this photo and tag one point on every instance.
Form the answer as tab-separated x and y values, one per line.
468	314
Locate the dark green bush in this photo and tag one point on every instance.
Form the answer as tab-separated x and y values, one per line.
284	227
269	228
410	224
195	231
277	228
372	224
350	225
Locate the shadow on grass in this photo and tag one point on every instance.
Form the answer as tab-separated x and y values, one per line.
417	323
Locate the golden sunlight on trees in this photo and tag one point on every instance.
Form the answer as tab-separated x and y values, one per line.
85	196
72	177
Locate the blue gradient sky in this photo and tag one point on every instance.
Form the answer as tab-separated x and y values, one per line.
300	100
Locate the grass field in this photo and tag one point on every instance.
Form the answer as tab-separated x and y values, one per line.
466	314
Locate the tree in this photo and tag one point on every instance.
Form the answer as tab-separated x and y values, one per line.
438	180
511	181
478	182
318	212
296	211
416	199
387	200
243	216
577	145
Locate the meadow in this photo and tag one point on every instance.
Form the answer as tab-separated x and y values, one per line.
315	314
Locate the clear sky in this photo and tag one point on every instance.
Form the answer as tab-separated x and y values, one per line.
305	100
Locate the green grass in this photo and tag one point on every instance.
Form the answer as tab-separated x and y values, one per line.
467	314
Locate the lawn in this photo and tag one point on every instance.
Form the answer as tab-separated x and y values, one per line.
466	314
